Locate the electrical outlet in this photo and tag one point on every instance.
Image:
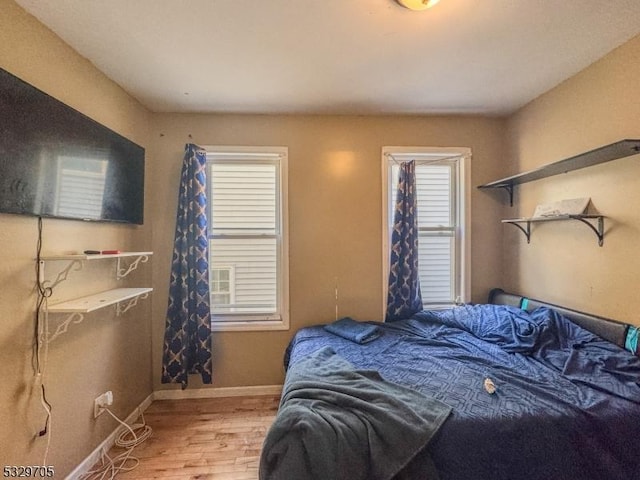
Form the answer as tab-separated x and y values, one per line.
104	400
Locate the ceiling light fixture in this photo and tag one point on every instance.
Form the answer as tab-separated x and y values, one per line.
417	4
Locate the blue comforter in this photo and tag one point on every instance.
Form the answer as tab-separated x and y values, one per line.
566	405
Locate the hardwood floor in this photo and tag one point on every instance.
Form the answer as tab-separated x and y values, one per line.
214	438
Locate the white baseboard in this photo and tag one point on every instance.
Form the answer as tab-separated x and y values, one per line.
176	394
94	456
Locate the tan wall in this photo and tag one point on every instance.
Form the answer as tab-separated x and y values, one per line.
564	264
335	217
103	352
335	231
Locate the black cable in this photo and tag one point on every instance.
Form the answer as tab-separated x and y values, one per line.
43	294
46	422
42	290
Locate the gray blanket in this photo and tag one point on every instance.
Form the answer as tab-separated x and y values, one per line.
336	422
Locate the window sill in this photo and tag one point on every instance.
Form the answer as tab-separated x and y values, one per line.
249	326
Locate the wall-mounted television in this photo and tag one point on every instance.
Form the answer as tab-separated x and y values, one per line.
57	162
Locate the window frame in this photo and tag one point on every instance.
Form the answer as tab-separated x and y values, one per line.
260	321
462	206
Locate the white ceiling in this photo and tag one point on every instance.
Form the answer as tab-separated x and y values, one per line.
339	56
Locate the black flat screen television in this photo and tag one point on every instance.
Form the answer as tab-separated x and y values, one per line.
57	162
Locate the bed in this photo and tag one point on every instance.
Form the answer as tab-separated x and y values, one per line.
513	389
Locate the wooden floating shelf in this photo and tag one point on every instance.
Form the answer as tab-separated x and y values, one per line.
614	151
97	301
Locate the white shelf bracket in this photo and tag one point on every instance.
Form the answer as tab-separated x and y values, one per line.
64	326
62	276
120	310
123	272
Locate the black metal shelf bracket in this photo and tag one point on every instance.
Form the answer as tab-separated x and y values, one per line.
599	231
509	189
526	231
594	222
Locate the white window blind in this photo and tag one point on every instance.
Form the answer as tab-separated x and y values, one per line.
437	222
246	235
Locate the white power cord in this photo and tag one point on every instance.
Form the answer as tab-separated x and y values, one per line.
129	438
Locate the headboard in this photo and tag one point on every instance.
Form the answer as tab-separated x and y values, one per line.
615	332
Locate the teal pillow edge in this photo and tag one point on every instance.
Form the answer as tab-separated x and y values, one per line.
631	342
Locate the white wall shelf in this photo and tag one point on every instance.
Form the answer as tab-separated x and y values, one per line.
122	298
79	306
84	256
94	302
76	263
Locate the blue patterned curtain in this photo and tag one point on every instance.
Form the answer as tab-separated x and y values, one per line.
187	339
404	298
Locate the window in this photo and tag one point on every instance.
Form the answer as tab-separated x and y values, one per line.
222	286
248	237
443	240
